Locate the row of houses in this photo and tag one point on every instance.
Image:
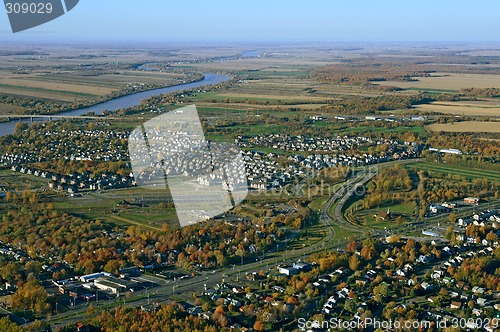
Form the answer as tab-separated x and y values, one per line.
79	181
482	219
301	143
265	173
16	254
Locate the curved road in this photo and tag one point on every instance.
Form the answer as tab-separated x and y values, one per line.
344	193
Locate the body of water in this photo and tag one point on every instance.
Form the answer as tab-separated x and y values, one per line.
7	128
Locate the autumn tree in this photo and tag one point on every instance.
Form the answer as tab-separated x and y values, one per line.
354	262
258	326
6	325
31	296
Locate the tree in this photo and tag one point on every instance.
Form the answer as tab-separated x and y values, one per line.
219	316
7	326
452	218
258	326
354	262
350	306
492	237
31	296
368	251
112	266
449	233
33	267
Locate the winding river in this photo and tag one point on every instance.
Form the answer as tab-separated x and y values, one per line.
127	101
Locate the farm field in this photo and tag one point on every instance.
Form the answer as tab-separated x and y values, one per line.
490	109
467	127
448	82
38	82
70	86
76	74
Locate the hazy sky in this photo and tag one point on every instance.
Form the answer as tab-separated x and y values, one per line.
270	21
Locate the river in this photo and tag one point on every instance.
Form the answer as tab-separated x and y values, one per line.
7	128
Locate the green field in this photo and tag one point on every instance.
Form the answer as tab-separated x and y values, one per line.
456	170
372	130
105	207
10	180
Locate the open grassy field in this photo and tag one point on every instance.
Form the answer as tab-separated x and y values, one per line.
304	86
112	80
10	180
490	108
105	207
361	130
270	97
467	127
44	93
456	170
448	82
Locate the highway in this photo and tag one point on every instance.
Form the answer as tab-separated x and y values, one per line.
344	193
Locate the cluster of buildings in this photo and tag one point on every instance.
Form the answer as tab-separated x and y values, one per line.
311	144
186	155
264	172
483	218
391	118
460	295
86	287
75	145
76	182
446	151
447	207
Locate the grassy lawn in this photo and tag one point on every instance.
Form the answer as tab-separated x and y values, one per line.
152	219
308	237
317	204
105	207
261	129
367	218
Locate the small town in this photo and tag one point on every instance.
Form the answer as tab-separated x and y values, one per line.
256	166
